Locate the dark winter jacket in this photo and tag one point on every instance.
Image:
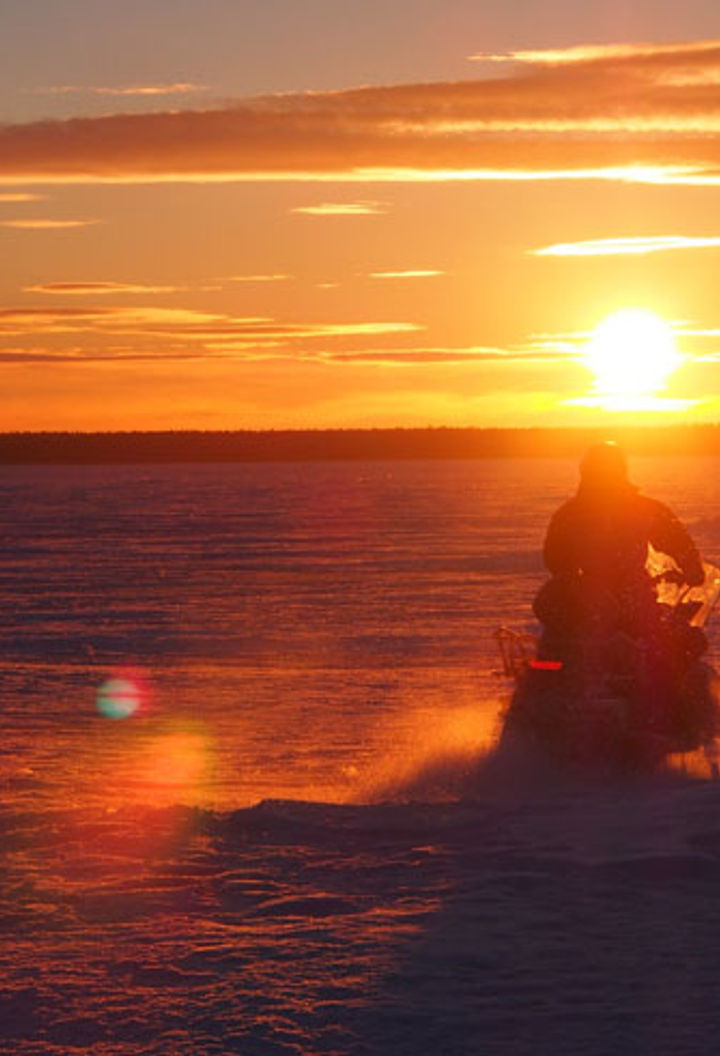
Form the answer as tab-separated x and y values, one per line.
605	535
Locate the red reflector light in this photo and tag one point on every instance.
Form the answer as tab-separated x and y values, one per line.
546	665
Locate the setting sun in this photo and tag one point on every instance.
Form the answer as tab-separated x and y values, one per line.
632	354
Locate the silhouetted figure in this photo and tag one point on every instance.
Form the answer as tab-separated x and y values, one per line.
618	679
596	549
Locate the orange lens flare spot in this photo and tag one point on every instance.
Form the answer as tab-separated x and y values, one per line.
177	763
177	759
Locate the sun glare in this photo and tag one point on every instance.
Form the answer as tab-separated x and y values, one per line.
632	354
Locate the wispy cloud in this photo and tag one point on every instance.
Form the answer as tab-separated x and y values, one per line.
47	225
294	331
174	88
342	209
433	355
563	343
68	355
702	51
648	404
21	196
698	332
427	273
604	247
184	331
643	113
99	288
59	335
30	320
258	278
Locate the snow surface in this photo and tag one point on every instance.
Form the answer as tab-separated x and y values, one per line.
574	918
296	843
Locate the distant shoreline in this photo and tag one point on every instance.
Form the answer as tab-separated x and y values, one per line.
75	448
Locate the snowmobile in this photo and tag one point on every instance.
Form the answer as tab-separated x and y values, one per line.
615	700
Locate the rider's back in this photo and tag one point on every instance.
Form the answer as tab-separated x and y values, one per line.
604	534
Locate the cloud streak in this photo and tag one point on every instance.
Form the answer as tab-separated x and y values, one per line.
342	209
20	196
175	88
46	225
254	351
259	278
99	288
604	247
74	335
699	52
182	331
411	357
161	335
644	113
428	273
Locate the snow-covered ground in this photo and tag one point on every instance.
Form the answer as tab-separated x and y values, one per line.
247	806
558	920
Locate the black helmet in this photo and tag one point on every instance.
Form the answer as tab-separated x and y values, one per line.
604	465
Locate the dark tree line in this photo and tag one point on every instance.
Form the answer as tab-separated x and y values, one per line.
337	444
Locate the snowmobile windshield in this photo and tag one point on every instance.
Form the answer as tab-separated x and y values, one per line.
671	589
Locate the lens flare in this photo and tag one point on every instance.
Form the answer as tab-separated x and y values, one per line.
178	758
177	764
119	697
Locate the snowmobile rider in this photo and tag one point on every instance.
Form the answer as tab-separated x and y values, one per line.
596	549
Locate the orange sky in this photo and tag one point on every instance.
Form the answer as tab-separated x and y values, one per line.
420	250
